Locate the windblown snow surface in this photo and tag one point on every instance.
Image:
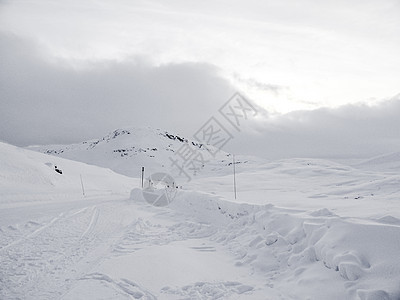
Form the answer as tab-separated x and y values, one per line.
299	229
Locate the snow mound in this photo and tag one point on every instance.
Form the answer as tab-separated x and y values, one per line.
305	250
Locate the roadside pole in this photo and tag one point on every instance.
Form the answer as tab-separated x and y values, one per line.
142	175
83	189
234	175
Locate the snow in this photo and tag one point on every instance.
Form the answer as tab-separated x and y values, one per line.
299	228
384	163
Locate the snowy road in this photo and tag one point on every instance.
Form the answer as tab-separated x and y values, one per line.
121	250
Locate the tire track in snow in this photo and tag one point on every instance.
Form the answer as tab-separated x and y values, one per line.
26	236
51	259
124	286
92	223
46	255
33	234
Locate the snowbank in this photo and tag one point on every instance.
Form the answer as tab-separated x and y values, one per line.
310	255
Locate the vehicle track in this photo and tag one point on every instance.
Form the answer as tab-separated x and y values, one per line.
45	262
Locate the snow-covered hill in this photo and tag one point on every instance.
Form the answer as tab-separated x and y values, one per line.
28	176
384	163
126	150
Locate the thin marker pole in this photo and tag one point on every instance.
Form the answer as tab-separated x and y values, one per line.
234	175
142	175
83	189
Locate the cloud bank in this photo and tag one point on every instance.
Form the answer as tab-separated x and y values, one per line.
356	131
45	101
321	52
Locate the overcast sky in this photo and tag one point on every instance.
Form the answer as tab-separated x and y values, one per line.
321	73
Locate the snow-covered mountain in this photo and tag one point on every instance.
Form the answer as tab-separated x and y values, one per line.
126	150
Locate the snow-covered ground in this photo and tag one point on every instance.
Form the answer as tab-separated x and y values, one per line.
299	229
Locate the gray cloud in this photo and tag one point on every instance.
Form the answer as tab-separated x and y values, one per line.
262	86
46	102
347	131
323	51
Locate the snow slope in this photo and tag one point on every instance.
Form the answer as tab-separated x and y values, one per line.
383	163
299	229
28	176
